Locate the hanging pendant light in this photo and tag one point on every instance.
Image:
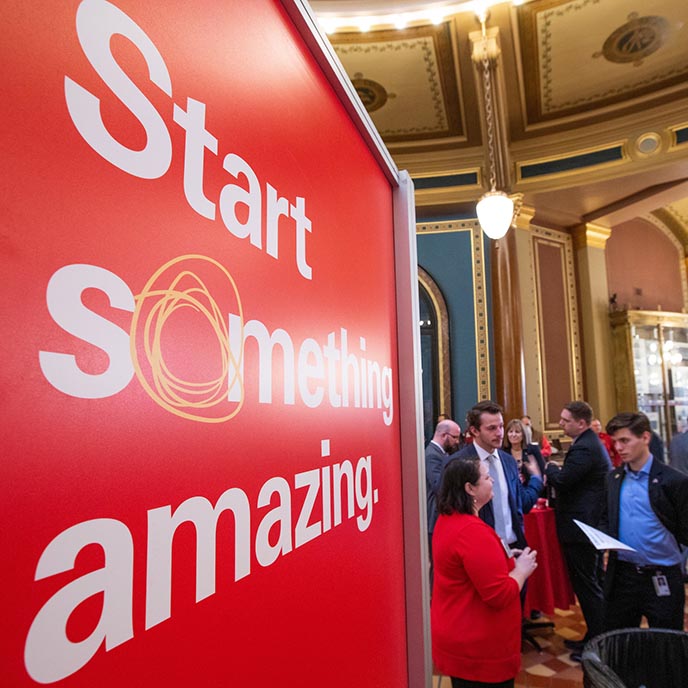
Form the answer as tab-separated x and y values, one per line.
495	209
495	213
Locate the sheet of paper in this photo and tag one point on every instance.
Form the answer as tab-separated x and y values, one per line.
601	540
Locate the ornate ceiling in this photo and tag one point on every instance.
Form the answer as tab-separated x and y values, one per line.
592	97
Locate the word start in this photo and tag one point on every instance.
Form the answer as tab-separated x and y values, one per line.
97	21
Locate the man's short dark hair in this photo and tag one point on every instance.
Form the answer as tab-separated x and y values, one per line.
452	497
580	410
637	423
487	406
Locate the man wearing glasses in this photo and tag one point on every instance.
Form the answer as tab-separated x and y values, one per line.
445	441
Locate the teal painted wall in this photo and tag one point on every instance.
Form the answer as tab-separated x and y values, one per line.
447	258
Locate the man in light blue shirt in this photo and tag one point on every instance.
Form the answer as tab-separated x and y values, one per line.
647	509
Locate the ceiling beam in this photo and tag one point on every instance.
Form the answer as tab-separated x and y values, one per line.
639	203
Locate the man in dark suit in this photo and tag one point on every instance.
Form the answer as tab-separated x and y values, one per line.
647	509
511	498
444	442
580	489
678	451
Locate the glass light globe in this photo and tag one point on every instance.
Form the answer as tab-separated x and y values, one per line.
495	212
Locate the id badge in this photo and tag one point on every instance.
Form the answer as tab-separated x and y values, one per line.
661	586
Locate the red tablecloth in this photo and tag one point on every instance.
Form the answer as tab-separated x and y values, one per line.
549	586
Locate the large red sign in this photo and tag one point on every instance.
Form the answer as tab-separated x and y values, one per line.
200	474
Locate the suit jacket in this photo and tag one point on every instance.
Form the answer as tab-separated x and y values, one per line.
580	486
534	451
657	447
521	497
668	492
435	461
678	452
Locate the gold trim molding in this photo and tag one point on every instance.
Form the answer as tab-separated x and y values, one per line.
674	135
446	226
591	235
480	314
656	219
525	217
443	350
482	338
565	243
572	172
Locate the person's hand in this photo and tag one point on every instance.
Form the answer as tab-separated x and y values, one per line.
526	562
549	464
532	466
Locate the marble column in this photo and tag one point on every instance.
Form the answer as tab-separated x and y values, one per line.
508	328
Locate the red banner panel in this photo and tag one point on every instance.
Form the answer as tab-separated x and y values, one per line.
201	472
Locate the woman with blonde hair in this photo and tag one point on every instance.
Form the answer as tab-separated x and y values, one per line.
516	443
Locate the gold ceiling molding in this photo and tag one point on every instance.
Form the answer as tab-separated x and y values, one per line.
444	172
650	119
416	66
674	136
587	169
448	194
649	143
554	34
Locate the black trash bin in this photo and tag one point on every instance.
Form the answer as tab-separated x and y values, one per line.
635	658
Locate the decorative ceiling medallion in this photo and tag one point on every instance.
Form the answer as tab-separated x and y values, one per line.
635	40
648	143
372	95
416	67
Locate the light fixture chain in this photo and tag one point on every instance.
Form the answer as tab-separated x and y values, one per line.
489	119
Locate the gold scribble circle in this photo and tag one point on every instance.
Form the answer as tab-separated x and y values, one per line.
175	286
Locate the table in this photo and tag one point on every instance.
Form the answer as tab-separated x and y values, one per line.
549	585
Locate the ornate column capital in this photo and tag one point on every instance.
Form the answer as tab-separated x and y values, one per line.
590	235
485	45
525	217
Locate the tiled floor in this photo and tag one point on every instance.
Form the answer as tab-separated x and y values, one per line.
552	667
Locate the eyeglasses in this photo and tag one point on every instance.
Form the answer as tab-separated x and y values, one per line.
456	437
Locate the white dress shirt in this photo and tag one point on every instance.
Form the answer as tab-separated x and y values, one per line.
501	495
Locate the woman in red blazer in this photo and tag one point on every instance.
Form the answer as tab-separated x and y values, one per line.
476	610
